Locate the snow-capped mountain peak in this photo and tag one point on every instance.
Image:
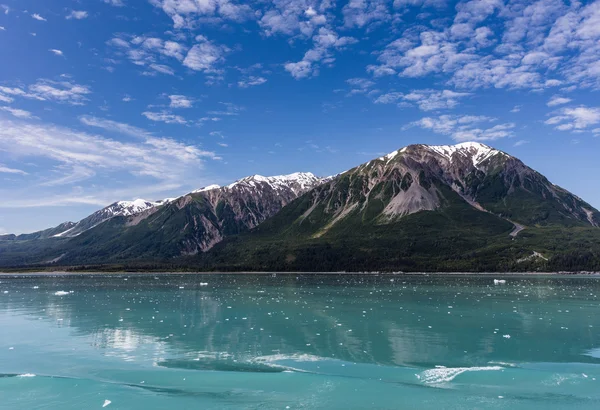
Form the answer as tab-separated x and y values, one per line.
297	182
477	151
127	208
206	188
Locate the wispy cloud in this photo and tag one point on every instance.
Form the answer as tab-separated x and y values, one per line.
180	101
48	90
556	100
16	112
77	15
56	52
77	156
426	100
8	170
251	81
575	118
465	127
164	116
38	17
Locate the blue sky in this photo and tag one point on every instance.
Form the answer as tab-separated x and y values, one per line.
104	100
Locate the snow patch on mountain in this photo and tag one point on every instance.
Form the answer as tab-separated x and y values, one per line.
477	151
206	188
298	181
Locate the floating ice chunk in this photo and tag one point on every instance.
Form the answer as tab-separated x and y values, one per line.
499	281
27	375
61	293
443	374
203	283
106	403
36	287
506	336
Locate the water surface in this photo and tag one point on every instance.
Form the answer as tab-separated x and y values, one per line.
289	341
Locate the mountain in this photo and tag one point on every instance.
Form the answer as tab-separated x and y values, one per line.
456	207
120	208
431	178
194	222
466	206
186	225
46	233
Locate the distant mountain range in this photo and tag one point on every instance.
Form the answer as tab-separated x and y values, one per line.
432	208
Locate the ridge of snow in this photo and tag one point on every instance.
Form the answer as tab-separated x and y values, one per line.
206	188
303	179
477	151
127	208
392	155
58	235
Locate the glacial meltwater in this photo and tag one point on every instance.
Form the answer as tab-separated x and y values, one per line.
291	341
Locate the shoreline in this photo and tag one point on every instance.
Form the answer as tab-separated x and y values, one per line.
166	273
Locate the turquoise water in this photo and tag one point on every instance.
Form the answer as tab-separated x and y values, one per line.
288	341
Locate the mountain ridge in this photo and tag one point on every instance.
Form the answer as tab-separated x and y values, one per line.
421	206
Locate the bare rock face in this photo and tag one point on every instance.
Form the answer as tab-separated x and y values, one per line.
427	178
197	221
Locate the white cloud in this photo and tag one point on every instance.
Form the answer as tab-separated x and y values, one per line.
79	151
8	170
65	91
2	28
159	68
520	142
164	116
426	100
116	3
48	90
556	100
38	17
56	52
516	109
466	127
361	13
180	101
294	17
537	44
575	118
205	56
360	86
230	109
77	15
251	81
17	112
151	52
324	42
191	13
127	98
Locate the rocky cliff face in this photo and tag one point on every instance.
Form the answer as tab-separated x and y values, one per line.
428	178
195	222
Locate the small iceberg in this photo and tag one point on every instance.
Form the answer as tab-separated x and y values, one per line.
203	283
61	293
499	281
106	403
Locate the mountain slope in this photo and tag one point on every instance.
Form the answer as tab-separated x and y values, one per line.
431	208
421	207
46	233
120	208
192	223
432	178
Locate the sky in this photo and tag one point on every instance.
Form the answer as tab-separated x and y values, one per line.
106	100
